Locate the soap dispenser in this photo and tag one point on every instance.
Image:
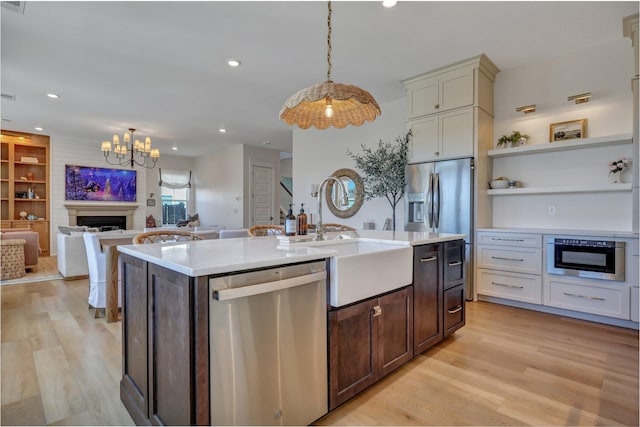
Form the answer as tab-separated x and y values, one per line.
290	223
302	221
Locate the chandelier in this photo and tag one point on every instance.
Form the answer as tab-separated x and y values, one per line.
329	104
131	152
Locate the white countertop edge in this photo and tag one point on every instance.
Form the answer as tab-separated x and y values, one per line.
272	256
561	231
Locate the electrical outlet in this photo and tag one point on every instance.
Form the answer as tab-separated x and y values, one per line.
551	210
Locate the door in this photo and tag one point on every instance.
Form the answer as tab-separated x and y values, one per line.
455	201
395	330
417	205
261	195
427	297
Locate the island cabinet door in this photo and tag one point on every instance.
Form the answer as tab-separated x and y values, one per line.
352	351
178	348
134	391
427	297
395	330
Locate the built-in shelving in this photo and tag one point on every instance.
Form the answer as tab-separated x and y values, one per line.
562	146
559	190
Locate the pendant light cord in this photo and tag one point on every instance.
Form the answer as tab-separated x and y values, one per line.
329	43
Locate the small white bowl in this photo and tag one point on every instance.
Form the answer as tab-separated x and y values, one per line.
497	184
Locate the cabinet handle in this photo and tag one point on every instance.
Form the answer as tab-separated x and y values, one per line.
454	264
377	311
455	310
583	296
507	240
506	259
436	106
508	286
431	258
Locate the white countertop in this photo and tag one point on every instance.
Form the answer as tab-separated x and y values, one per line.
561	231
207	257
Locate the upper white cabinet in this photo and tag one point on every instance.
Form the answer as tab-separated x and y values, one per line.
442	109
443	92
445	135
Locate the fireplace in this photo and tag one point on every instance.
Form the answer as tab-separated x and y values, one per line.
102	215
104	223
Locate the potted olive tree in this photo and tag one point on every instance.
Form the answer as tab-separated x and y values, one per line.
383	170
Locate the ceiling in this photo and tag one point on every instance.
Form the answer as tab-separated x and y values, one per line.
161	67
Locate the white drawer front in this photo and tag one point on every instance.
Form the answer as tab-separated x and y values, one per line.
517	260
510	239
519	287
607	301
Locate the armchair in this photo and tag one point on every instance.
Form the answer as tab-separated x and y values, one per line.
31	247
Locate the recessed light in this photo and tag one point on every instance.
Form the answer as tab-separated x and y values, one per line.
222	130
174	148
233	63
389	3
266	142
38	128
53	95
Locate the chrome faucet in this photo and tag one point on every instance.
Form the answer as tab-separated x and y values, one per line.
345	198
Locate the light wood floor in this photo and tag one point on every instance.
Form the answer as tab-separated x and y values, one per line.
507	366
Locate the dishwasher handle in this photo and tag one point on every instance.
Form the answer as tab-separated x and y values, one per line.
263	288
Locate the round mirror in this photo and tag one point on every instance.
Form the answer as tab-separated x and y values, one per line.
355	193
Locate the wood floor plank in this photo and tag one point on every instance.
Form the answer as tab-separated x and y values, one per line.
25	412
100	391
61	396
19	378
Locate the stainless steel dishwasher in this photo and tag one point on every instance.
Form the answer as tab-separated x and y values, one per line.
269	346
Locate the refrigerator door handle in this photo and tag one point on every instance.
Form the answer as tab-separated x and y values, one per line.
436	200
430	200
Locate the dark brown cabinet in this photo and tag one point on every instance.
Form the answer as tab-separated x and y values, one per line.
368	340
454	316
427	297
165	340
438	294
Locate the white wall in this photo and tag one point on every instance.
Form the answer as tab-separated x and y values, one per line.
605	71
318	153
82	153
220	189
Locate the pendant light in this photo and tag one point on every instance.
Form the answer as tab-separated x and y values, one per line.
329	104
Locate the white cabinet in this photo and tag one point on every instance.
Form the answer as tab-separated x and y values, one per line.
442	106
509	265
635	304
442	92
587	296
445	135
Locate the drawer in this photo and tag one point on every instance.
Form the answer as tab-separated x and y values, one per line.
454	309
517	260
454	265
513	286
509	239
612	301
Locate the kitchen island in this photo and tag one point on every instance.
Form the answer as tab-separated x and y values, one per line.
167	319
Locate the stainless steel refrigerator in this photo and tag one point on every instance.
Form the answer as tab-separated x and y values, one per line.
439	199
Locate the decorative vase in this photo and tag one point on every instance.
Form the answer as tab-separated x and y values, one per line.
616	178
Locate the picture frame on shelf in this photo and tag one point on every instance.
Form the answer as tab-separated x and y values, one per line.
564	131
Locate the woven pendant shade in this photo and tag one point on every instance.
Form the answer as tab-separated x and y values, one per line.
351	106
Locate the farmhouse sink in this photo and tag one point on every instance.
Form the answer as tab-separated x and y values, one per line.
360	269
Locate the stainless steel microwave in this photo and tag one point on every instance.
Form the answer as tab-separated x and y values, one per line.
594	259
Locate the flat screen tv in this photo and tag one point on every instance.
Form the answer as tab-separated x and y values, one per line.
99	184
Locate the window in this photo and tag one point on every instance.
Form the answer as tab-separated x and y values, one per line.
174	205
175	187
